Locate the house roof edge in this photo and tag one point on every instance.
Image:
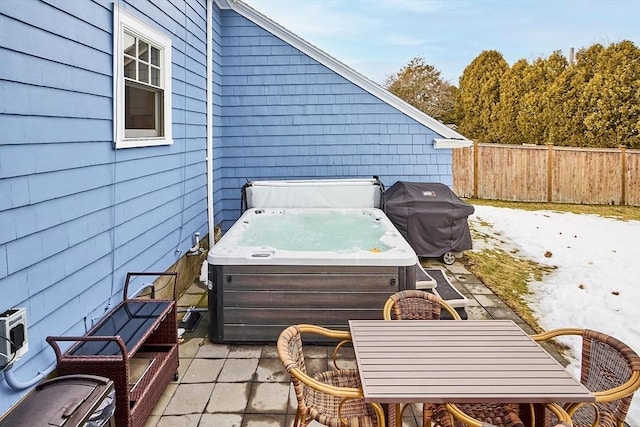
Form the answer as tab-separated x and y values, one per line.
223	4
340	68
451	143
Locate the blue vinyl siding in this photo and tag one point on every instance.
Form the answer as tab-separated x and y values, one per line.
286	116
76	215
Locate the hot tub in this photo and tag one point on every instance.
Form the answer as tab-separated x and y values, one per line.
279	266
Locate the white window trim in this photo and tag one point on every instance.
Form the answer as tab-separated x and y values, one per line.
123	20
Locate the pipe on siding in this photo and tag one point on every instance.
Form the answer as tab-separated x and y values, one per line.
209	159
16	384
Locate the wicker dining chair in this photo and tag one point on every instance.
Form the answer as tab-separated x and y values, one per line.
414	304
333	398
610	369
497	415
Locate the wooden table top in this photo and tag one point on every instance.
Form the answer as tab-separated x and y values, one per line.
469	361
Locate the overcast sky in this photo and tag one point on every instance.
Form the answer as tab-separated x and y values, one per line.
378	37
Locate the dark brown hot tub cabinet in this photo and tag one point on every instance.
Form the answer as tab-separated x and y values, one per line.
254	303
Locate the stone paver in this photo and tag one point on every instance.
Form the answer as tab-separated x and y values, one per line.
271	370
489	300
269	398
190	347
467	279
263	420
238	370
457	269
203	371
503	312
478	289
245	351
477	312
189	399
213	351
472	302
189	420
229	397
315	351
269	352
164	399
220	420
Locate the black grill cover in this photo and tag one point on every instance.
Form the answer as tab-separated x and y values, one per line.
430	216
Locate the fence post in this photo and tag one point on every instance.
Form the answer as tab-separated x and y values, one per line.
623	174
549	173
475	169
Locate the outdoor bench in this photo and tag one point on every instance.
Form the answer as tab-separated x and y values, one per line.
135	344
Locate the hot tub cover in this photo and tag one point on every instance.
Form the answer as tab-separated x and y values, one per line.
313	193
430	216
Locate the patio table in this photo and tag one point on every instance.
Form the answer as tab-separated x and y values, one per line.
448	361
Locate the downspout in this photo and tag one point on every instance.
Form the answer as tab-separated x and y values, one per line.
210	122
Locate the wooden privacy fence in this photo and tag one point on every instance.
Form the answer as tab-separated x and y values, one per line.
548	174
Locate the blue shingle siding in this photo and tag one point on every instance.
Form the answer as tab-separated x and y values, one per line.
4	271
28	129
286	116
217	114
75	213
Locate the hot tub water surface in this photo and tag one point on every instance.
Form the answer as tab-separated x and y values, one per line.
335	231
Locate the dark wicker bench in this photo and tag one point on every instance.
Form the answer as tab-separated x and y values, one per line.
135	345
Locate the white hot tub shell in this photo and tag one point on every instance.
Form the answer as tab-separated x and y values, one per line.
260	289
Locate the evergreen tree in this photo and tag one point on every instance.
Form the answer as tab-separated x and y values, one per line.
512	89
532	120
566	111
478	96
562	112
596	101
611	98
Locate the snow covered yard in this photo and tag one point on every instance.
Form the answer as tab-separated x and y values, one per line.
596	283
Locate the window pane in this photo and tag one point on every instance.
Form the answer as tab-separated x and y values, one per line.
139	96
155	56
155	76
143	51
143	72
129	43
129	68
140	108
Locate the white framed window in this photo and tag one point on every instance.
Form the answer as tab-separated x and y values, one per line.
141	83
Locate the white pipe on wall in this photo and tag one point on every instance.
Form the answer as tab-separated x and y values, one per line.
17	384
210	215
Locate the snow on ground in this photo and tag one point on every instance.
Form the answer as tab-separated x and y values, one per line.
597	281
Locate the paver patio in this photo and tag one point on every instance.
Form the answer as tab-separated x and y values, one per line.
222	385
